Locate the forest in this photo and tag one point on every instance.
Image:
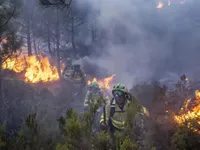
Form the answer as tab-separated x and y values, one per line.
150	46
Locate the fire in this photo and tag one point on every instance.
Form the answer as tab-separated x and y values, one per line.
190	114
36	70
4	41
15	64
160	5
104	83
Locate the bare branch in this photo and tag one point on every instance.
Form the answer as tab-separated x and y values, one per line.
61	2
12	14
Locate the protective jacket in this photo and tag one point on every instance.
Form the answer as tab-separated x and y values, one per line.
114	117
95	97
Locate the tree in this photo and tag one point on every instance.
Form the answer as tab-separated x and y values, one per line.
9	40
74	19
28	16
58	4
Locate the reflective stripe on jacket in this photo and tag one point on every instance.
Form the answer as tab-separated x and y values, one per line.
92	97
119	117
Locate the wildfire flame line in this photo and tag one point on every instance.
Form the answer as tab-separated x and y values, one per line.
161	3
104	83
186	114
36	70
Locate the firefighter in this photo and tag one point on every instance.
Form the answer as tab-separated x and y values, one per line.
94	96
115	113
78	74
68	70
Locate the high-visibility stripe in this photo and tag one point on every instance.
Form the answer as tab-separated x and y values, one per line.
86	105
102	118
117	124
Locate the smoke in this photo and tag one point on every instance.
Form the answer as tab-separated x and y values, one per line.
130	52
143	42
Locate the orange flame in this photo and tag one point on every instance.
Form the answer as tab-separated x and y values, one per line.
4	41
192	114
38	71
15	64
160	5
35	70
104	83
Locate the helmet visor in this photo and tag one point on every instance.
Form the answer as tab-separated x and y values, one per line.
119	97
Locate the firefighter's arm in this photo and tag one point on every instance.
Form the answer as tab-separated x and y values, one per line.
87	98
105	115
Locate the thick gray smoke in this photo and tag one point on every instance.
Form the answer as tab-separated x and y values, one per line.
145	43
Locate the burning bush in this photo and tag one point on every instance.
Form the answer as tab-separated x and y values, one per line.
36	68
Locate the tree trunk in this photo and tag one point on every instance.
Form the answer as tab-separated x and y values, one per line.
34	45
49	39
28	37
58	43
1	77
72	29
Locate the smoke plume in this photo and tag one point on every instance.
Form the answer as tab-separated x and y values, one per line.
143	42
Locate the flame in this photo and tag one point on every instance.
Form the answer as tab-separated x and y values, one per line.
14	63
160	5
104	83
4	41
36	70
190	114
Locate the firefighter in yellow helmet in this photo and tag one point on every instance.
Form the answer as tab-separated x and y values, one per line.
115	112
95	96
